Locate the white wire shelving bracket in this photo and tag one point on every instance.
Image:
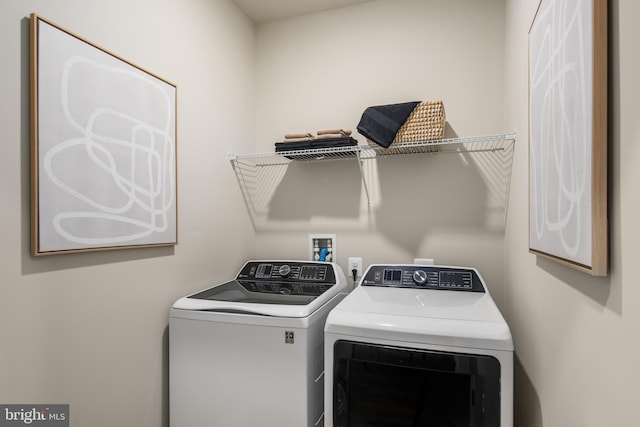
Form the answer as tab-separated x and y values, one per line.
250	178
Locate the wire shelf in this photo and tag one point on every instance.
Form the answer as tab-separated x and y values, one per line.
466	144
371	151
257	171
309	155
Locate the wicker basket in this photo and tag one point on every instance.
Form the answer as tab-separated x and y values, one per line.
425	123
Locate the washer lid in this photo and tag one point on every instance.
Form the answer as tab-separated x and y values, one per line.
267	288
425	316
264	292
293	306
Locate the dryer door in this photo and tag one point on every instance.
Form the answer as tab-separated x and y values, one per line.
376	385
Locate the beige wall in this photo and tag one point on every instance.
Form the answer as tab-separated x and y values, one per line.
577	337
90	329
321	71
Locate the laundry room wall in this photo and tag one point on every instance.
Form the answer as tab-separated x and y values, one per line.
90	330
323	70
576	336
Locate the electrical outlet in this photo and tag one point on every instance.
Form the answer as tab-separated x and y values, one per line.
355	263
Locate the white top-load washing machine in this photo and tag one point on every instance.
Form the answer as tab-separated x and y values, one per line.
418	346
249	352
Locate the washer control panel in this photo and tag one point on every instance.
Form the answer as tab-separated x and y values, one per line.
287	271
424	277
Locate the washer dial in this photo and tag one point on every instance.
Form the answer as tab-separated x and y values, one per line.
284	270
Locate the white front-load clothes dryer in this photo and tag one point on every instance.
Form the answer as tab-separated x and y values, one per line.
418	346
249	352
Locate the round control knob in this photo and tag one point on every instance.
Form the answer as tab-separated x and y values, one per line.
420	277
284	270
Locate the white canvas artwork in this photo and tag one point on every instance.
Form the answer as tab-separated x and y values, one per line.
560	133
106	149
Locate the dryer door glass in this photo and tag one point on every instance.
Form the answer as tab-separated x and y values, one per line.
388	386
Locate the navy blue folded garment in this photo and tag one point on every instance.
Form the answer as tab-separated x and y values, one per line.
346	141
316	143
381	123
286	146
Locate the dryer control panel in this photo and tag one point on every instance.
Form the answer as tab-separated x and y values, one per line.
424	277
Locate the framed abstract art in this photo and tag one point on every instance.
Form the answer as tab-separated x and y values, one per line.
103	148
568	134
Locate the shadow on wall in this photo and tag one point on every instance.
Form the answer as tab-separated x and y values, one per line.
413	194
527	409
323	189
165	377
599	289
409	195
423	192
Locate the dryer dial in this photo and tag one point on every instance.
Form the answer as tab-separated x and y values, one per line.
420	277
